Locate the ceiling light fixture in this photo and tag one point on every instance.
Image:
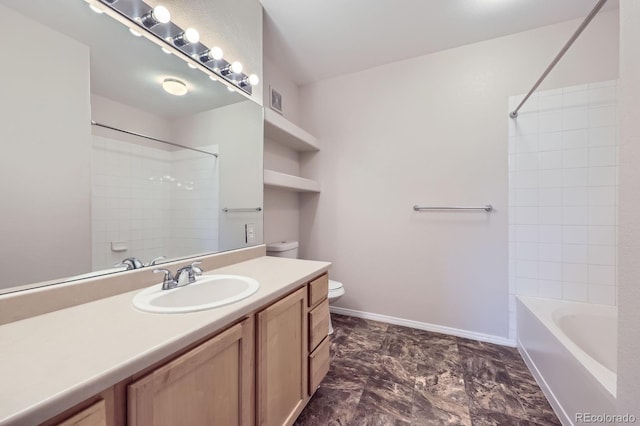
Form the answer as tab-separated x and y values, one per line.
213	54
234	68
189	36
157	15
252	80
174	87
184	43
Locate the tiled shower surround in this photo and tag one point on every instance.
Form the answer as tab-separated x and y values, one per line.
153	200
563	168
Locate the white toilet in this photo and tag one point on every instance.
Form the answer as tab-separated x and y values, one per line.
290	249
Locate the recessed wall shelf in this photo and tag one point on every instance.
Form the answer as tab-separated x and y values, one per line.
289	182
281	130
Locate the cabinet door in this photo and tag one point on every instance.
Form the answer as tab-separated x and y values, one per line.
282	360
95	415
210	385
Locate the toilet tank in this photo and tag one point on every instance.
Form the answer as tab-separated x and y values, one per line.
283	249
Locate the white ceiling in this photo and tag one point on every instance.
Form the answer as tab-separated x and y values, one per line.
318	39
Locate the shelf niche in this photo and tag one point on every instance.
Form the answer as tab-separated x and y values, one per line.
279	129
289	182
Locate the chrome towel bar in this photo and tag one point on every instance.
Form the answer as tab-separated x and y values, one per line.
486	208
250	209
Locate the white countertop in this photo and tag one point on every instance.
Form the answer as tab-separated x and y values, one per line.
54	361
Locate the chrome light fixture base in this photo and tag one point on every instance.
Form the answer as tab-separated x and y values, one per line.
134	10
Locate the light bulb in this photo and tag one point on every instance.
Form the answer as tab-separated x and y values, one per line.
174	87
161	14
213	78
191	65
165	50
134	33
216	53
191	35
254	80
157	15
236	67
231	89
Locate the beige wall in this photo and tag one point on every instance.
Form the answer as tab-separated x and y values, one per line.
45	177
629	212
277	78
430	130
281	207
237	130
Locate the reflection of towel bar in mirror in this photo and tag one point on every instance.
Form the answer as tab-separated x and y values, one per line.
486	208
140	135
249	209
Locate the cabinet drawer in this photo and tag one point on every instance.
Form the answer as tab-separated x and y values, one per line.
318	365
318	324
318	290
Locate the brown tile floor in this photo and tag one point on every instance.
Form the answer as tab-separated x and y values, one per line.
384	374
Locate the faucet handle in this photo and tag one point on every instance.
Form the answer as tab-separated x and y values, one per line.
127	265
195	268
156	260
168	282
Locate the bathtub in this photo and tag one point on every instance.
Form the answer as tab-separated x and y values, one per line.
571	349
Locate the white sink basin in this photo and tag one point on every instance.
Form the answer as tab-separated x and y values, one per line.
208	292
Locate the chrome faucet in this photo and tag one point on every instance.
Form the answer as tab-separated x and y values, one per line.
131	263
135	263
192	272
170	281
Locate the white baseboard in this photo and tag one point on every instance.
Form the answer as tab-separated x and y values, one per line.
555	404
426	326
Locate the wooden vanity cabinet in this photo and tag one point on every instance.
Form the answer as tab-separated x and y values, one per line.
100	410
282	366
261	371
209	385
94	415
292	353
319	345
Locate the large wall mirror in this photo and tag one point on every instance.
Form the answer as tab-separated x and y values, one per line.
99	163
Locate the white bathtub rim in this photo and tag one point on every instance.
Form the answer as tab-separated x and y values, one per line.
606	377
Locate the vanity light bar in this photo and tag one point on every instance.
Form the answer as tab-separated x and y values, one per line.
187	41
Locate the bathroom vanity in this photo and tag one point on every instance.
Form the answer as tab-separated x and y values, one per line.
257	361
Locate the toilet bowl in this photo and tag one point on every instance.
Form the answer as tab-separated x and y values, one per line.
290	249
336	290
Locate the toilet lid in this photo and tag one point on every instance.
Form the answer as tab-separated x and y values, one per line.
334	285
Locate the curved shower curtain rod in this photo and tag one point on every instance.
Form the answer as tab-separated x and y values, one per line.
564	49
